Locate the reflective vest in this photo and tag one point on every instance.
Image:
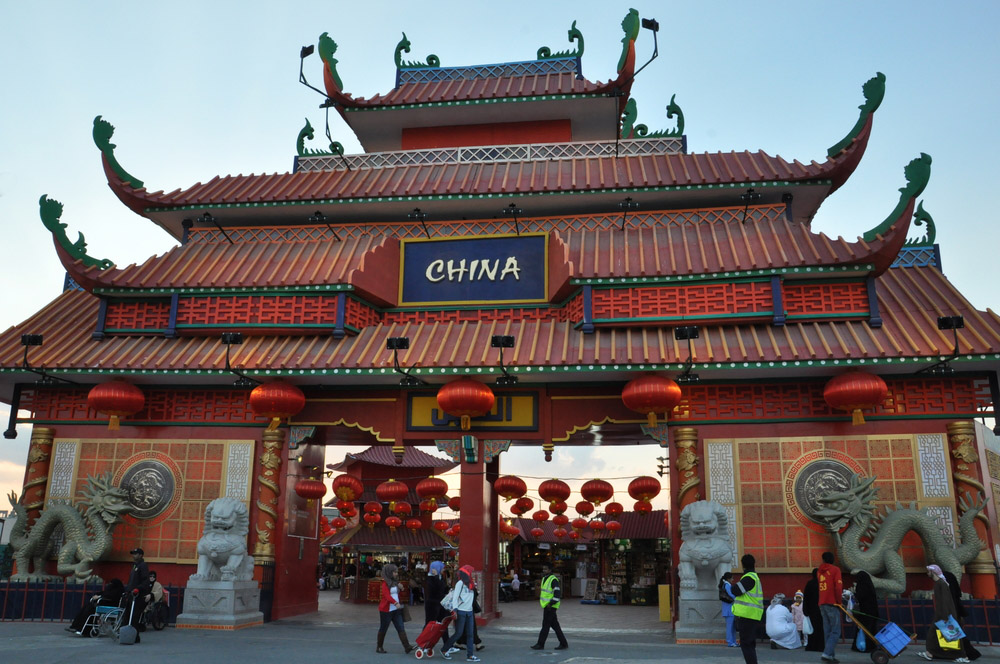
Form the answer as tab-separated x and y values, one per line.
546	595
751	604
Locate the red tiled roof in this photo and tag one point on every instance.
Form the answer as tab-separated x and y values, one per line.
380	535
909	299
380	455
636	525
525	526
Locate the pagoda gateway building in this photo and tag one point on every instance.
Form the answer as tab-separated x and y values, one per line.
510	256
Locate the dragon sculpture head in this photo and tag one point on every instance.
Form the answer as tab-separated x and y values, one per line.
841	507
103	501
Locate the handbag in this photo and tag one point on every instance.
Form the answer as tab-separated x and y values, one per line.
448	601
945	644
807	626
406	613
475	604
950	629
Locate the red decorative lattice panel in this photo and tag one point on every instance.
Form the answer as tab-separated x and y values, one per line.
137	315
806	299
695	300
224	406
285	310
360	315
480	315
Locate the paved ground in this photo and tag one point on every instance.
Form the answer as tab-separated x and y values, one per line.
346	633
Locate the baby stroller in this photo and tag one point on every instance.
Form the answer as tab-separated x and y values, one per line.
430	636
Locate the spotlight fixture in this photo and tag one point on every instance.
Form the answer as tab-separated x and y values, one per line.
396	344
626	205
513	211
320	218
421	217
242	380
689	333
28	341
943	367
502	341
749	197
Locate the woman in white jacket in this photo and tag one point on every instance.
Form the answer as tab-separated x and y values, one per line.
781	625
464	596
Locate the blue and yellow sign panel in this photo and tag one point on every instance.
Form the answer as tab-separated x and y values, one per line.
513	411
494	269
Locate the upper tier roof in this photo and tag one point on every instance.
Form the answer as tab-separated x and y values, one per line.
380	455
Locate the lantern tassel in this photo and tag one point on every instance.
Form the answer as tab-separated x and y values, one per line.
651	418
113	423
857	417
275	421
466	422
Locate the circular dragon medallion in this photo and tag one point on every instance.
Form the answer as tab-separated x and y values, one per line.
818	479
150	487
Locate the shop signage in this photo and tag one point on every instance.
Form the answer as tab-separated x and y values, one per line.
474	270
513	411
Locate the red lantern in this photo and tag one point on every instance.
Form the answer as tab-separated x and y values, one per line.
650	395
644	488
559	533
583	508
428	506
324	522
558	506
523	505
393	522
338	522
117	399
432	489
276	401
560	520
614	509
371	518
613	526
392	491
455	503
553	491
508	531
349	513
540	515
456	530
465	398
373	506
666	520
440	526
510	487
310	489
597	491
579	523
414	525
596	525
574	535
537	532
643	508
403	509
347	487
855	391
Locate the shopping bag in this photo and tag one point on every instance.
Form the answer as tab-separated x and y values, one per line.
448	601
945	644
406	613
950	629
860	642
807	626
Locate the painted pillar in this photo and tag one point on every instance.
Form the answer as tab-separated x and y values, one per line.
968	479
268	470
688	472
36	475
478	543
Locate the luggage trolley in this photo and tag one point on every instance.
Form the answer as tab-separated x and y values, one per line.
890	640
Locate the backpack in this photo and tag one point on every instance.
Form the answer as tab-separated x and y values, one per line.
724	596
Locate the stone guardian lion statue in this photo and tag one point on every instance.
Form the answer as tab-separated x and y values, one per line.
705	553
222	549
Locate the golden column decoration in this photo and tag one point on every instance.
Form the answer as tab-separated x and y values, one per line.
967	476
36	476
686	441
268	491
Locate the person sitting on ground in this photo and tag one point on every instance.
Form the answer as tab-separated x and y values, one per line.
110	596
780	625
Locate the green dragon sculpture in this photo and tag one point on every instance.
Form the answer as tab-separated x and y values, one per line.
327	47
921	217
874	92
87	537
871	541
917	174
630	26
632	130
307	133
50	211
404	47
545	53
103	131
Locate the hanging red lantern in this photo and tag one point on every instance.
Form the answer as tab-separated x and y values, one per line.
558	506
573	535
642	507
455	503
510	487
855	391
373	506
393	522
428	506
579	523
596	525
344	504
553	491
392	491
614	509
276	401
465	398
432	489
540	516
371	518
338	522
403	509
310	489
349	513
613	526
440	526
559	533
347	487
560	520
583	508
644	488
523	505
508	531
116	399
537	532
650	395
597	491
414	525
666	520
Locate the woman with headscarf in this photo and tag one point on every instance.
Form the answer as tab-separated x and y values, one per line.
390	610
464	596
780	625
956	595
865	611
434	591
944	606
810	606
110	596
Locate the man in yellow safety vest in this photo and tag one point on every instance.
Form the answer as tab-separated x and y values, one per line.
748	607
551	594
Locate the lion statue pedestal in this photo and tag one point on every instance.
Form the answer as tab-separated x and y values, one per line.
706	553
223	593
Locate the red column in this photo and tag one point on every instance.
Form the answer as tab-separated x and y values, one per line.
478	541
968	479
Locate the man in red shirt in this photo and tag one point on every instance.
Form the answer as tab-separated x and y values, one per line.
831	590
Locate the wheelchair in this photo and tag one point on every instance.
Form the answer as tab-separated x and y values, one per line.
106	619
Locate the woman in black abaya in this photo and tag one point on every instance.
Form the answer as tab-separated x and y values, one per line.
865	610
810	607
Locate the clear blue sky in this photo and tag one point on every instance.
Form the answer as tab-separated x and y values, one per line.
198	89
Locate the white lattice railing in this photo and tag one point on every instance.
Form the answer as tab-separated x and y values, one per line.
492	153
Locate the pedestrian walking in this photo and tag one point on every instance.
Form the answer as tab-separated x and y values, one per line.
960	614
865	612
798	615
810	607
748	607
831	590
726	599
434	592
465	621
390	610
550	598
944	607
